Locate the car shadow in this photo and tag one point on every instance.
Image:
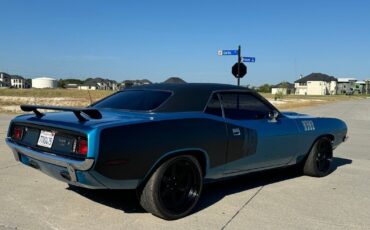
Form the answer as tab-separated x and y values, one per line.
126	200
214	192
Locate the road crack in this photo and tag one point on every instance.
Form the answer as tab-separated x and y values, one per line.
244	205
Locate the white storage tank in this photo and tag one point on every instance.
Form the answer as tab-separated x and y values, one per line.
44	83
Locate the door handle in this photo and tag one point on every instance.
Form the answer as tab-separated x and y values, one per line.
236	131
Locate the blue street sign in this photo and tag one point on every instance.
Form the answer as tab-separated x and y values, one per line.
227	52
249	59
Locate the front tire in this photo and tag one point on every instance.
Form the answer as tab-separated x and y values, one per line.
319	159
174	188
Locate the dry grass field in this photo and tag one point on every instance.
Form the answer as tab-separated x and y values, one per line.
95	94
10	99
293	102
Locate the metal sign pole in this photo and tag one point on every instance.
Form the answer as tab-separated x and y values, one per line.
239	61
239	69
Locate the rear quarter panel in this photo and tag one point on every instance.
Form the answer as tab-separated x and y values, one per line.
137	147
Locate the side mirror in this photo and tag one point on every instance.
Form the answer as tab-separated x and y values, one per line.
273	115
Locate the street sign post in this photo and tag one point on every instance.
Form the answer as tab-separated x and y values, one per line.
249	59
239	69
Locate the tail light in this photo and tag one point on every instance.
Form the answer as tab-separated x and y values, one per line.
17	133
82	147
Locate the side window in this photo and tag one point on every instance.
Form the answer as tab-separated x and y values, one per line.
243	106
214	106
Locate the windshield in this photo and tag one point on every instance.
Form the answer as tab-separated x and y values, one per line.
140	100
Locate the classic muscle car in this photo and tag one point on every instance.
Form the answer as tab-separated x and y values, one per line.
166	140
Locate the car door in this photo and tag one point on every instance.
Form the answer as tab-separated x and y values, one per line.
254	140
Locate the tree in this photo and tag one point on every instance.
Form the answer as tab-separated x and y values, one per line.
265	88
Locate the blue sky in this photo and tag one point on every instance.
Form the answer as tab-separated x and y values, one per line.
157	39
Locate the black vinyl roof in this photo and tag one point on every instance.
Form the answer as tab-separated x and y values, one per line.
188	96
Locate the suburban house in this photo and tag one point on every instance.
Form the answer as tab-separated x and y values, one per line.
111	84
360	87
14	81
89	85
129	83
316	84
351	86
284	88
71	86
17	81
98	84
346	85
5	80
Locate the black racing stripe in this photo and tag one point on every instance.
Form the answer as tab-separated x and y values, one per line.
139	146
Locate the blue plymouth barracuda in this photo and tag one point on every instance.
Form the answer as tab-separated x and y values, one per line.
167	140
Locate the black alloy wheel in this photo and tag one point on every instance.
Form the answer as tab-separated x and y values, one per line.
174	188
319	159
323	158
180	186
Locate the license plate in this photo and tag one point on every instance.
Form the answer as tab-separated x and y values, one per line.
46	139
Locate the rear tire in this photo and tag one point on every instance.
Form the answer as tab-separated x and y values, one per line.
319	159
174	188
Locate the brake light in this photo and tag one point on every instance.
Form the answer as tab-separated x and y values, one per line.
17	133
82	147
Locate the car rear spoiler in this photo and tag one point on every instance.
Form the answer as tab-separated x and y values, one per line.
90	112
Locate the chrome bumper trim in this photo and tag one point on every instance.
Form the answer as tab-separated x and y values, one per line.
49	158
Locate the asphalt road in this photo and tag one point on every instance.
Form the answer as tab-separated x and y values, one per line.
281	199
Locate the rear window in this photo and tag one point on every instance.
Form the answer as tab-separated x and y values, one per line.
140	100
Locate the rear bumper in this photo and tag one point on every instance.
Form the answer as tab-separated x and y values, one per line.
75	172
49	158
69	164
